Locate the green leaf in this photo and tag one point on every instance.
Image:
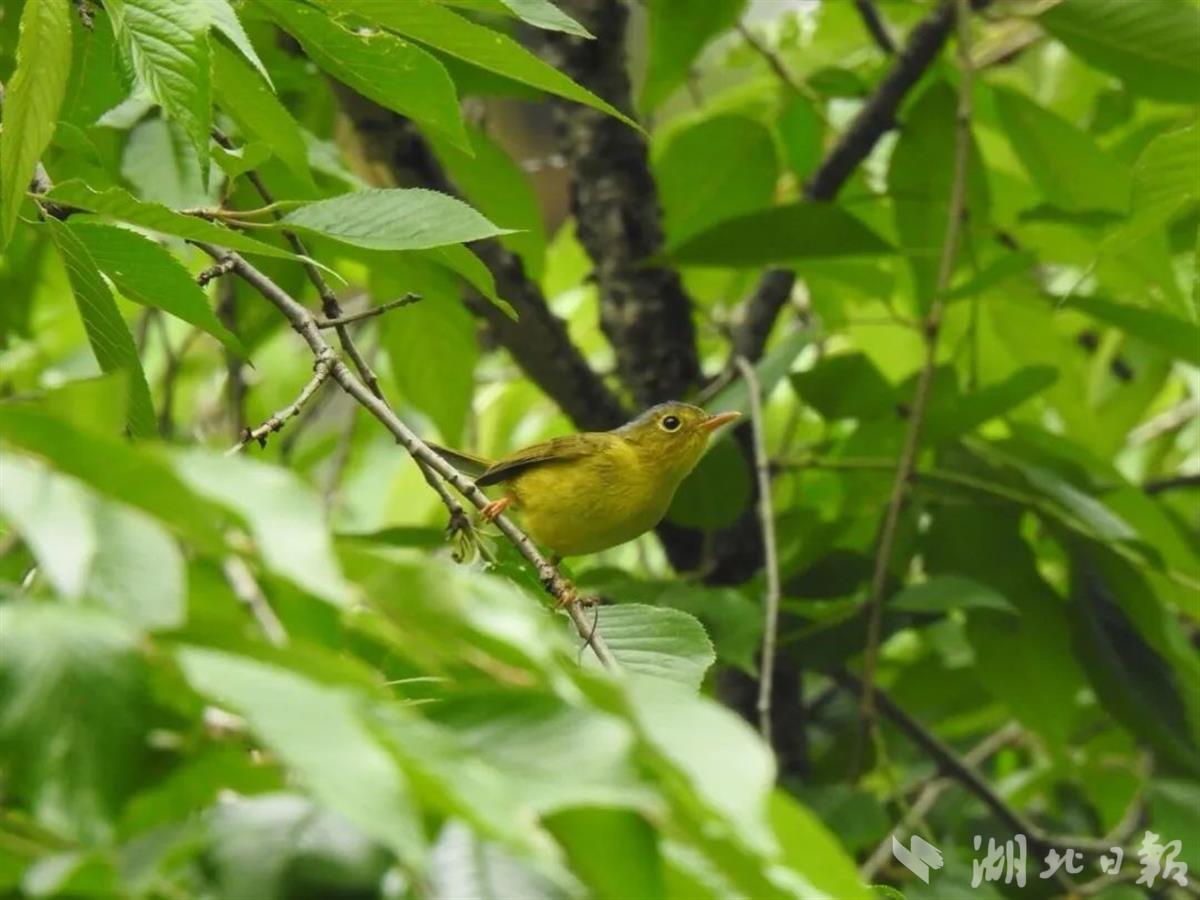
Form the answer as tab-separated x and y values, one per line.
114	468
698	505
955	416
528	737
471	269
1082	511
1178	337
678	31
544	14
809	848
257	112
318	733
1153	46
670	717
497	186
120	204
72	706
51	514
433	351
106	331
285	517
943	593
1166	183
630	865
393	219
166	44
381	66
657	641
718	168
32	101
465	865
919	181
779	235
1067	166
225	20
138	570
846	386
264	846
1018	659
148	273
445	30
1134	679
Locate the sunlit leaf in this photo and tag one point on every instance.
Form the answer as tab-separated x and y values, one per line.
32	100
394	219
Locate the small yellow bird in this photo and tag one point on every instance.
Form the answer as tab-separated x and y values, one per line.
587	492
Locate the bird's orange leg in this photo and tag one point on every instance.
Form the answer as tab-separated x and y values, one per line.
495	508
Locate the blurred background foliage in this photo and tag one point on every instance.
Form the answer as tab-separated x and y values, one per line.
263	675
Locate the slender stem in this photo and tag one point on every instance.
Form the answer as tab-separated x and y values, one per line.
305	324
932	325
796	85
369	313
766	514
276	421
246	588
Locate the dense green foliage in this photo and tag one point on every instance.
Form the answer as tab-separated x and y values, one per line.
269	673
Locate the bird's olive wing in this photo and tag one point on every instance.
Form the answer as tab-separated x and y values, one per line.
556	450
465	462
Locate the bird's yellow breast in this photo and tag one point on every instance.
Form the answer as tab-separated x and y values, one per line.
583	505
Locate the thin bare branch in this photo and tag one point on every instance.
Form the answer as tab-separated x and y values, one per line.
932	325
246	588
305	324
276	421
767	517
213	271
371	313
795	85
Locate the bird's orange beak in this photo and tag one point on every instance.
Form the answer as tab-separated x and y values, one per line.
712	423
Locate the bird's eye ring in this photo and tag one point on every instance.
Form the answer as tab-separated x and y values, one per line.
670	423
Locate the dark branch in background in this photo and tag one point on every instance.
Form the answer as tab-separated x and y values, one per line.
305	325
965	774
875	25
538	342
929	796
1174	482
931	326
877	116
644	310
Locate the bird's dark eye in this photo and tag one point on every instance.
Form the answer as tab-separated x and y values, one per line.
670	423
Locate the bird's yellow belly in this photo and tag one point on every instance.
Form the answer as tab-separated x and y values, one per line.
572	518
